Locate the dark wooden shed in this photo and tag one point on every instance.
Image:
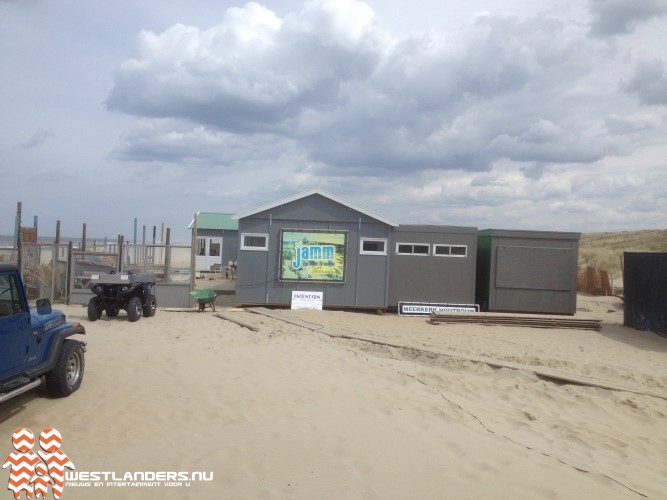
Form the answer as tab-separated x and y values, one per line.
527	271
645	291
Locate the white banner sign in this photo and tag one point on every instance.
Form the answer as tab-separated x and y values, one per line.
307	300
425	309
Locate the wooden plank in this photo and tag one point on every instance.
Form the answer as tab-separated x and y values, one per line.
504	319
238	322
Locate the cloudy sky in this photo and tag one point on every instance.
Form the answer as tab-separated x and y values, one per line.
510	114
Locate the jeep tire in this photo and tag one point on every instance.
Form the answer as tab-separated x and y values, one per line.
67	374
134	309
94	309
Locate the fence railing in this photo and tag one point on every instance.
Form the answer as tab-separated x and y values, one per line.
61	273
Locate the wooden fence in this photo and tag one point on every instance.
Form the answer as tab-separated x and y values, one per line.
595	281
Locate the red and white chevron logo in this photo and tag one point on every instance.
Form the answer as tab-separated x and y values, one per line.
31	475
23	439
50	440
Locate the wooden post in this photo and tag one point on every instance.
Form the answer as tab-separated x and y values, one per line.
83	238
193	259
17	225
167	258
54	261
19	252
120	253
68	281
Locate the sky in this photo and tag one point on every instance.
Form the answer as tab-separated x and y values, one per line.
503	114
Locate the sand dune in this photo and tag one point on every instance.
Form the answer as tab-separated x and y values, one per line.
287	412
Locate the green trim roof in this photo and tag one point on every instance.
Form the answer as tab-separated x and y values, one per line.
210	220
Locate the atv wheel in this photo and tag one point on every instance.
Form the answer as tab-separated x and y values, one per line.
94	309
134	309
112	312
150	307
66	376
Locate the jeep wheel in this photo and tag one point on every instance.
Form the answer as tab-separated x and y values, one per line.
94	309
67	374
134	309
112	312
150	307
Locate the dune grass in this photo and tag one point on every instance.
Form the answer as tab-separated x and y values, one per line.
604	250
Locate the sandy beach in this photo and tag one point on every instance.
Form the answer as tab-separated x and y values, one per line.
291	412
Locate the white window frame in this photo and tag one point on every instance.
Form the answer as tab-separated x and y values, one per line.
428	249
450	254
369	252
253	248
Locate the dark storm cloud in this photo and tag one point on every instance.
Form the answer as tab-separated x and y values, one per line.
649	82
615	17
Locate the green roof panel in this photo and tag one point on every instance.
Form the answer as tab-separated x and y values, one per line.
209	220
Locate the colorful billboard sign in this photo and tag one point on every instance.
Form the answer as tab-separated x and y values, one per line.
313	255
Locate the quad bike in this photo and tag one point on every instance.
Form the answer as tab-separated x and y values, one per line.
132	292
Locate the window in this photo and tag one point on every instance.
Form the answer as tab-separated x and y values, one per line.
215	249
10	298
412	249
252	241
450	250
373	246
201	246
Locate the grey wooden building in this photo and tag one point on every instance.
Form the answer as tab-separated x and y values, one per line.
434	264
527	271
313	241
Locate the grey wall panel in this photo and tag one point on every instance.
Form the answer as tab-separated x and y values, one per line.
315	208
533	268
432	278
533	301
173	294
230	247
370	280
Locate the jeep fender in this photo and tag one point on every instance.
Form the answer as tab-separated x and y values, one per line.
54	348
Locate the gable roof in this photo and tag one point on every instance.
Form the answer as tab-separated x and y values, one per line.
212	220
311	192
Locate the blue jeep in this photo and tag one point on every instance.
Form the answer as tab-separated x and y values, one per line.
35	343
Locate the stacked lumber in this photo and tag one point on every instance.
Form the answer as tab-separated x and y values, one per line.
500	319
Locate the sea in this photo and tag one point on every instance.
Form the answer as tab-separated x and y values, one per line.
7	240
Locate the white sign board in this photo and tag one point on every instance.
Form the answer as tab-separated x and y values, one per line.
425	309
307	300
